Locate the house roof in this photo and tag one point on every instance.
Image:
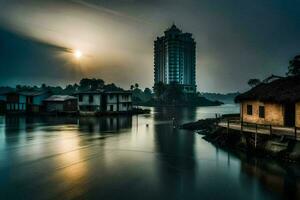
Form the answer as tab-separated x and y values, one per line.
118	92
89	92
28	92
104	92
60	98
282	90
5	90
32	93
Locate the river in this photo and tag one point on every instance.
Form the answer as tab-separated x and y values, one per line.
134	157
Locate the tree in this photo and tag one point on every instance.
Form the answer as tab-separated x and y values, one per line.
136	85
159	88
91	84
294	66
84	84
147	94
148	91
43	86
253	82
174	93
131	87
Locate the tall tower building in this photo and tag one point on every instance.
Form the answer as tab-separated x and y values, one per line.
174	59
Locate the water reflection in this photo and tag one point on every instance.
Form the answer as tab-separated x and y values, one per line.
176	151
283	180
124	157
104	124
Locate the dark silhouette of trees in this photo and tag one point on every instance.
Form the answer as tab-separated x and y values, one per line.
294	66
159	89
91	84
147	91
174	93
253	82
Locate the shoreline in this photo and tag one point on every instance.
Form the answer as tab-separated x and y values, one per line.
80	114
266	146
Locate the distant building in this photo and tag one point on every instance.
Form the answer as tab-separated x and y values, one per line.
89	101
25	101
273	103
174	59
102	102
118	101
61	103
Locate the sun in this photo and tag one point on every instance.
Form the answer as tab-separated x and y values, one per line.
78	54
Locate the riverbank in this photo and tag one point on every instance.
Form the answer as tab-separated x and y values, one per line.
268	146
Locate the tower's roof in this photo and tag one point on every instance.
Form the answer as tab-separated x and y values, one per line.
173	29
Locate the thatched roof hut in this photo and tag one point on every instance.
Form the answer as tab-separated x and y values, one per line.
282	90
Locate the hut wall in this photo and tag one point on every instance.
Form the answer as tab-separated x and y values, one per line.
297	117
273	113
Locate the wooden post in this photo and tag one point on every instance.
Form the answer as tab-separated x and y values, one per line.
242	124
227	127
270	129
255	142
295	132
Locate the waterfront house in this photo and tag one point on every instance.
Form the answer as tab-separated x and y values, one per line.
89	101
104	101
118	101
3	92
25	101
273	103
61	103
2	102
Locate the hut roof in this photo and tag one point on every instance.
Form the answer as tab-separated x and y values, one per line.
283	90
60	98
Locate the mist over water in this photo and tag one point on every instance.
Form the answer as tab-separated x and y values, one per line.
134	157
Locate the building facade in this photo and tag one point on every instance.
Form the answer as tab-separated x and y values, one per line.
89	101
175	60
61	103
103	102
25	101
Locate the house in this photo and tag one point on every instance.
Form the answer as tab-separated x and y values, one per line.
273	103
89	101
2	102
119	101
25	101
61	103
105	101
3	92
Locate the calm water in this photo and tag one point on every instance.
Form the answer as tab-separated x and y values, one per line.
123	158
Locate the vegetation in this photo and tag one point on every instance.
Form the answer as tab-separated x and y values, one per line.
253	82
294	66
225	98
84	85
172	94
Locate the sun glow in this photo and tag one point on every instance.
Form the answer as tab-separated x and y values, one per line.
78	54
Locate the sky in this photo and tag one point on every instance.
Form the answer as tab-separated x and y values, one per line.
236	40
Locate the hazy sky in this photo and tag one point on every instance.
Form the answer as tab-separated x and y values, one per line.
236	40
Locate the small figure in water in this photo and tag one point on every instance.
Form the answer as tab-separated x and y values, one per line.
147	125
173	121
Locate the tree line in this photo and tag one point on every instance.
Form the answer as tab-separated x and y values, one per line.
84	84
293	70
